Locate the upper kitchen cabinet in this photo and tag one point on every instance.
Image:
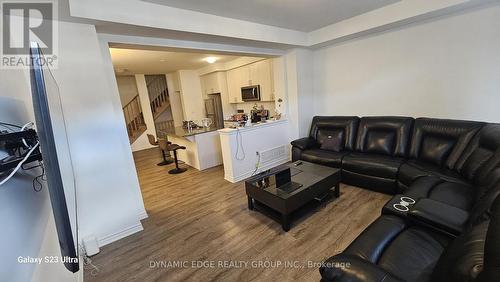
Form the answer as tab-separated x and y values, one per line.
237	78
258	73
210	84
261	74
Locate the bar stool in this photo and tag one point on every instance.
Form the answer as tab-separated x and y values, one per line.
162	143
177	169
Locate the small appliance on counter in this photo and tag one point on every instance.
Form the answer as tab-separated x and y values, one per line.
259	115
189	125
206	122
240	119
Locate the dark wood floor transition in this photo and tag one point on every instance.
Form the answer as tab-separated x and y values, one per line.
198	217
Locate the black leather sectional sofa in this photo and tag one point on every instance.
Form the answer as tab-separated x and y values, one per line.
445	175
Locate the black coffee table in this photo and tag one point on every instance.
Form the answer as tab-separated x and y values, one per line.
311	181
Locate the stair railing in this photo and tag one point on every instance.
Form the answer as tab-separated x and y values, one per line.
158	91
134	118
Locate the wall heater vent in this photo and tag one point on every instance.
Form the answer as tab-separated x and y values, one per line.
273	154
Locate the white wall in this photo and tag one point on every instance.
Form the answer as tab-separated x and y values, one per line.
109	198
175	98
300	95
127	88
142	142
191	95
110	203
447	68
280	87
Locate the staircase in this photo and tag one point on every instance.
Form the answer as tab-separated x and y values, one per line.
134	119
158	94
162	127
159	102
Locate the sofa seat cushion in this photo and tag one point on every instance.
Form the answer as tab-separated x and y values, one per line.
459	195
372	164
413	169
400	249
323	157
411	254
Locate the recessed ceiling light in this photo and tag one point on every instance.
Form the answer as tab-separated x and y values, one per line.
210	60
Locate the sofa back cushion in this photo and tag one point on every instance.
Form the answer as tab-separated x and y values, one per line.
384	135
326	128
482	155
441	141
436	149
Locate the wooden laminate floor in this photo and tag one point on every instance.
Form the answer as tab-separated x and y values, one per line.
198	217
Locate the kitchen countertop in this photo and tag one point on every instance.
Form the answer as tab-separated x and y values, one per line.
181	132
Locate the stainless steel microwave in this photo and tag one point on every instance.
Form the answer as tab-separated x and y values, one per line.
250	93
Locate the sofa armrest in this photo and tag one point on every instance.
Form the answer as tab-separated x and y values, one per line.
303	143
344	267
439	215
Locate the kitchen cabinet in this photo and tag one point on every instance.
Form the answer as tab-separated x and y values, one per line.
210	84
258	73
214	83
235	80
261	74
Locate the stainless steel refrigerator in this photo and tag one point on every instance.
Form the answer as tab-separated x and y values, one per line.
213	108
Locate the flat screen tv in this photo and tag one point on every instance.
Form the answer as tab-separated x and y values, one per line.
44	126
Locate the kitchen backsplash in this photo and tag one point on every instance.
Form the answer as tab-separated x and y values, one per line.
248	106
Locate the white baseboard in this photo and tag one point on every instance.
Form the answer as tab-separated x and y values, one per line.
243	176
103	241
143	215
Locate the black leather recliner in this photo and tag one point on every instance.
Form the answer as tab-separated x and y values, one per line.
393	248
478	165
382	145
436	147
317	149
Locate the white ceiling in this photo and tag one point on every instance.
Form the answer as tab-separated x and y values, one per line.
301	15
135	61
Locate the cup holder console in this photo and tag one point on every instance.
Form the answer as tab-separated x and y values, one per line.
403	205
398	205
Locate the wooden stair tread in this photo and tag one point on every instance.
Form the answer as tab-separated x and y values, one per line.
137	133
161	109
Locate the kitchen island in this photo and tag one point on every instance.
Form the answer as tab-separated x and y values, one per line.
251	149
203	147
